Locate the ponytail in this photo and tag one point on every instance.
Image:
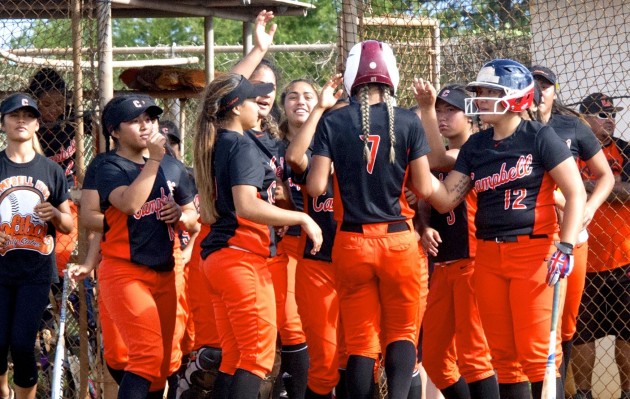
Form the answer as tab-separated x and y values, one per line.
204	141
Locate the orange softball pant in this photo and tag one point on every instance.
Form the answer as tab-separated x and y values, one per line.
318	305
453	341
244	309
142	304
381	284
575	288
201	307
515	306
114	349
282	268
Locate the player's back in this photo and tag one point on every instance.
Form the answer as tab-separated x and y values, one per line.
370	191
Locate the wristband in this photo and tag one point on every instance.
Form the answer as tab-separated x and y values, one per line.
565	247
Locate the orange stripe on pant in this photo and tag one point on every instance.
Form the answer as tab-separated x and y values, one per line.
382	287
575	288
142	304
454	343
181	318
318	305
245	314
515	306
282	268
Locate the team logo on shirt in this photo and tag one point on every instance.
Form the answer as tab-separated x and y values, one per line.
522	168
153	207
322	206
24	229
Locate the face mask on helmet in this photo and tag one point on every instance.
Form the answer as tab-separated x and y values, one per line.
511	78
371	61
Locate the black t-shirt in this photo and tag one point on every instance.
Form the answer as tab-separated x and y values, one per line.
514	190
578	136
28	255
370	192
142	238
236	161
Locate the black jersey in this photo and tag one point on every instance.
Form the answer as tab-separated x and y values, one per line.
273	151
514	190
59	145
91	172
237	160
141	238
457	229
28	254
321	210
370	192
576	134
296	193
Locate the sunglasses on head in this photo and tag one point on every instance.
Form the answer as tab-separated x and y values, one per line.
606	115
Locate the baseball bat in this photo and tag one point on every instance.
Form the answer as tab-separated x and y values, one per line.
549	383
61	341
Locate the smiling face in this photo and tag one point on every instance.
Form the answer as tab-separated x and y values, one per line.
300	99
20	125
264	75
134	134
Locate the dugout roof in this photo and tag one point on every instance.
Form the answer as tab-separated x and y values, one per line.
243	10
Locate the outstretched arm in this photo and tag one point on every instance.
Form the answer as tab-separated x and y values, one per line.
450	193
262	42
296	151
426	97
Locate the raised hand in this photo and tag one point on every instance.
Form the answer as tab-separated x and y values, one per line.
424	92
262	38
330	94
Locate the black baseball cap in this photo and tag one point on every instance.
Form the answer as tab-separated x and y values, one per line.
454	95
597	102
129	108
242	92
17	101
170	130
544	72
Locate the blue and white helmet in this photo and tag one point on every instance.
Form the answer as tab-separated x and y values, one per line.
513	79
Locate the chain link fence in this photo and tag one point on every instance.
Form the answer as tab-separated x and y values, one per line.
585	42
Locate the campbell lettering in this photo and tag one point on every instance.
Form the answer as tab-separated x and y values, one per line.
323	206
522	168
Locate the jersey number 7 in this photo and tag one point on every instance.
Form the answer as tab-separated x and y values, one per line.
373	142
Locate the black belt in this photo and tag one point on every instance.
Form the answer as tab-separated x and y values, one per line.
394	227
501	239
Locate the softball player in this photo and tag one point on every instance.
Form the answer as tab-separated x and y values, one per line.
584	146
513	167
282	265
236	183
315	290
455	351
33	206
141	198
605	308
376	148
115	351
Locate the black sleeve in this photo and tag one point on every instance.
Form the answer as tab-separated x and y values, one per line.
245	165
588	143
551	148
